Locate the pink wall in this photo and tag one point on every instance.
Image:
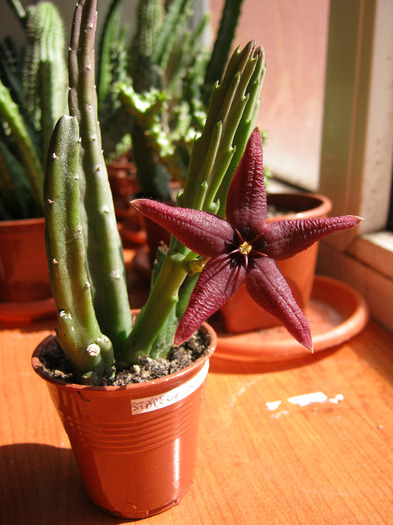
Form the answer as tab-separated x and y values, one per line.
294	36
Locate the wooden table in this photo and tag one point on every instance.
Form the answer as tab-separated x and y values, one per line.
259	462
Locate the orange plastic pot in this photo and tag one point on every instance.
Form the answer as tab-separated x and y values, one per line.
23	266
135	446
240	313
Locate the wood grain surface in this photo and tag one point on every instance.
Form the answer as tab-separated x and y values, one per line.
264	457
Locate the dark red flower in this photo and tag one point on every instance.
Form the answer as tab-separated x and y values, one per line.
243	248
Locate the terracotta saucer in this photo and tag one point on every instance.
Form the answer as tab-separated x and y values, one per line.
336	313
28	311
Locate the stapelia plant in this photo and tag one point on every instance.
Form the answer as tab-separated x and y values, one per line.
243	248
84	252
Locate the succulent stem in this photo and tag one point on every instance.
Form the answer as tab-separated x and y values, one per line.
78	331
103	244
209	162
28	153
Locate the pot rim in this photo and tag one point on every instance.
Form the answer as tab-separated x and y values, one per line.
320	210
21	222
134	388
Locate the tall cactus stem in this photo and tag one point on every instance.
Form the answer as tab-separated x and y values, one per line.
110	33
150	14
179	11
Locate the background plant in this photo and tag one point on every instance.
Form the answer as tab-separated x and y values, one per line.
164	79
32	97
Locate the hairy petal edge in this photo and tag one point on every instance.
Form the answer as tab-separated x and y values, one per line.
200	231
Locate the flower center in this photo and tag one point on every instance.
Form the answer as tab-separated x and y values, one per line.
243	252
245	248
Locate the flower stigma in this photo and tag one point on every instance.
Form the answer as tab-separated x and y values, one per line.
245	248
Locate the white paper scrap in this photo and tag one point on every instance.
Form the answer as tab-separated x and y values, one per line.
308	399
272	405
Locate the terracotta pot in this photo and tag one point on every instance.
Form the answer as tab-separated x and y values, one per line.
131	225
23	266
240	313
123	181
135	446
124	184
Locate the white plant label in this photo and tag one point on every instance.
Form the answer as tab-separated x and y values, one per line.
148	404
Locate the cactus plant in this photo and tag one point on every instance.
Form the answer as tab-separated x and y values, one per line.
113	69
32	98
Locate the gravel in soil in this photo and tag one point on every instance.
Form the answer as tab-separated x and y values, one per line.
57	365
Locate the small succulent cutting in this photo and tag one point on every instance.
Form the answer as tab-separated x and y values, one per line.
243	248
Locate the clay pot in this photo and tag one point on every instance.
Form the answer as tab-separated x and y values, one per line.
240	313
124	184
135	446
123	181
23	266
131	225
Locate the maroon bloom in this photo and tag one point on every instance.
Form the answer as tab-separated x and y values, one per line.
243	248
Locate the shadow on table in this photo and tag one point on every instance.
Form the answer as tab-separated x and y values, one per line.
40	484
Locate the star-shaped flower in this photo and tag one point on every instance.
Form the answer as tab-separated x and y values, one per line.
243	248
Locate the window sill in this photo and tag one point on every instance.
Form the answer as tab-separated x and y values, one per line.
367	265
376	251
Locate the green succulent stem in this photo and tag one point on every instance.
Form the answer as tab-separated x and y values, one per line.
45	72
110	35
232	102
162	300
103	244
149	14
27	150
78	330
175	21
52	71
210	159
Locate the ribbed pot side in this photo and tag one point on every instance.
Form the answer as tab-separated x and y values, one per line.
136	445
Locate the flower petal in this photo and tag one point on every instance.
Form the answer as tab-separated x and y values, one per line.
202	232
218	281
246	199
285	238
269	289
